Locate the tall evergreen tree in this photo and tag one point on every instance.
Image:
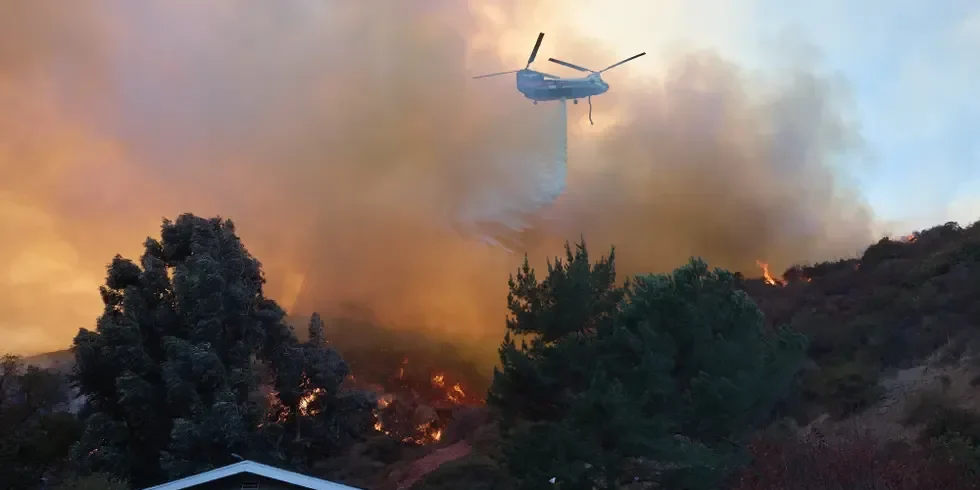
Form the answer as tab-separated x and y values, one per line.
657	387
170	372
320	415
574	301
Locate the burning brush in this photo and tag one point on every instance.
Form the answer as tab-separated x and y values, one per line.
415	409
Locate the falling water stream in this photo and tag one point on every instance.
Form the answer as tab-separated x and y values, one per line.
498	216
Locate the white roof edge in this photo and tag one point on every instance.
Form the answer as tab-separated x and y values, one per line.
254	468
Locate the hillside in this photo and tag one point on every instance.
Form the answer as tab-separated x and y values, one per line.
891	332
888	333
889	309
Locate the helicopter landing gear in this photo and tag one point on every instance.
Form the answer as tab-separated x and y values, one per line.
575	101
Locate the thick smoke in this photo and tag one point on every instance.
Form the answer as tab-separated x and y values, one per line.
361	162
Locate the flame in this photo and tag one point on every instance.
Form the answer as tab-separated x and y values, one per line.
401	370
384	401
391	417
456	395
304	402
766	276
423	432
427	434
277	413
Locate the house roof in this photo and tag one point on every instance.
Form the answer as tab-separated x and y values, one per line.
256	469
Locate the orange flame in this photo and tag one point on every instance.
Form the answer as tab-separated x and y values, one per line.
456	395
766	276
304	402
384	401
421	432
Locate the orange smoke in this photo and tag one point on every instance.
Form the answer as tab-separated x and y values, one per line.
347	142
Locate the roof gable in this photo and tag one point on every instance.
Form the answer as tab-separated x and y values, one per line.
256	469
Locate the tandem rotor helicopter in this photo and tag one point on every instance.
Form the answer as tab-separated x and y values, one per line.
541	87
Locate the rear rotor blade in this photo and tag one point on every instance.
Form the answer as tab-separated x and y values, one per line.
565	63
495	74
534	52
631	58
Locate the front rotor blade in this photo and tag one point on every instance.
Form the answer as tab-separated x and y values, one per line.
534	52
631	58
495	74
565	63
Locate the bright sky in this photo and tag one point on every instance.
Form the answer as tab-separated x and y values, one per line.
912	69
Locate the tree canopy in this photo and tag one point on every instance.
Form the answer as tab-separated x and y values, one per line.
171	371
36	429
655	381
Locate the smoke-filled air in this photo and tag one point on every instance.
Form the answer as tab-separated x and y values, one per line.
372	176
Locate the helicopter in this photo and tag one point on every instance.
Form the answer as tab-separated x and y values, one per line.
540	87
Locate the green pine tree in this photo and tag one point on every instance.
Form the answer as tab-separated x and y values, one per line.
171	371
656	382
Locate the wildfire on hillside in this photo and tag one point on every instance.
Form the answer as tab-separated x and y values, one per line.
455	394
411	410
415	413
766	276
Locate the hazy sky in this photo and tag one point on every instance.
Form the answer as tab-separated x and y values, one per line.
912	69
349	144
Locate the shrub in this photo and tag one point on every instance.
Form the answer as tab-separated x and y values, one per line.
844	388
845	462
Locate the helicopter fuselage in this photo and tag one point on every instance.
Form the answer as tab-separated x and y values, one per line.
538	88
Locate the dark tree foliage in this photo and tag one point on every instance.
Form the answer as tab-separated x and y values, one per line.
171	371
319	414
93	481
656	382
574	301
36	429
